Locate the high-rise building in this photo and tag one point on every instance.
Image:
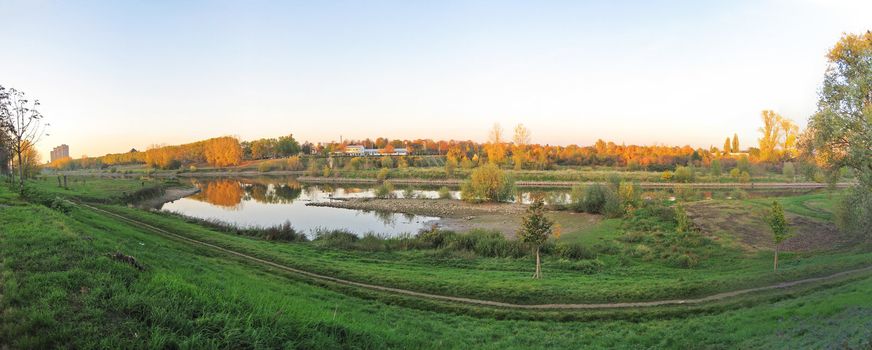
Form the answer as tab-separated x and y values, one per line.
62	151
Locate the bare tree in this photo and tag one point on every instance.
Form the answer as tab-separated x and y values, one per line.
22	122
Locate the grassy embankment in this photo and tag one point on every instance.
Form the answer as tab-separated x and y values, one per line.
59	288
620	273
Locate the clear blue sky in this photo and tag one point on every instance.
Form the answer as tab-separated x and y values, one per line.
118	74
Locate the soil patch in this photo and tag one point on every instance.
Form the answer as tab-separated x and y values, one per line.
745	225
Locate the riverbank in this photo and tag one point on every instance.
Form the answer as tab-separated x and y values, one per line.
169	195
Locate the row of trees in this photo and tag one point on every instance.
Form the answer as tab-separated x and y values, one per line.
21	128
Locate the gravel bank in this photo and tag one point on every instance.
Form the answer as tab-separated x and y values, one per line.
443	208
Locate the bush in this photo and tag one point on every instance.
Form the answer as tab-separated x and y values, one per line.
641	251
435	238
854	213
444	193
382	174
587	267
682	221
596	199
487	184
409	192
265	166
294	163
386	190
387	162
685	260
738	193
574	251
666	176
340	239
683	174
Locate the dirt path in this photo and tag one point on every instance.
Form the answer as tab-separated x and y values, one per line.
714	297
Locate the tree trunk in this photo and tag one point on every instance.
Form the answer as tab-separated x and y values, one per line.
538	273
775	266
20	173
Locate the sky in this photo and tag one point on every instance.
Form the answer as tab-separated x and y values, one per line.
115	75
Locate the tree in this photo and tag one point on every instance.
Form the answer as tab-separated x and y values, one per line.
223	151
780	230
519	151
840	133
771	134
716	167
727	149
496	152
735	147
21	120
535	229
287	146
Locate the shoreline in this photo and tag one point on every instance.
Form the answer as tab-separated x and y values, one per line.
171	194
440	208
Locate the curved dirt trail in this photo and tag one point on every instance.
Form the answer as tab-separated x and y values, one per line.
313	275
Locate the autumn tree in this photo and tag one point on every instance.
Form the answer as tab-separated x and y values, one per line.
839	134
727	148
535	229
778	225
29	164
496	152
22	122
779	137
735	146
223	151
519	150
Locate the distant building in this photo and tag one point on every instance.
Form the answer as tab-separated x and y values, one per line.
60	152
360	150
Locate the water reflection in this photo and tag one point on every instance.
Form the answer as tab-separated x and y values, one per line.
274	200
223	193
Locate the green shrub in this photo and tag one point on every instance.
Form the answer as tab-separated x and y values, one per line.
682	221
684	174
738	193
382	174
641	251
444	193
409	192
596	199
684	260
574	251
435	238
487	184
587	267
385	190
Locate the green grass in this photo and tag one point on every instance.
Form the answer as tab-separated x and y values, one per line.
93	188
59	289
605	230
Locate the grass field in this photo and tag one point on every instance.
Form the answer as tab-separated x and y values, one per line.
59	288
